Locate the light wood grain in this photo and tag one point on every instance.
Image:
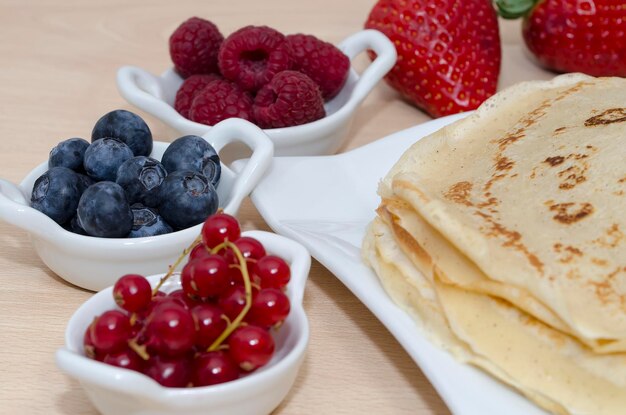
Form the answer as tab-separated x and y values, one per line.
57	68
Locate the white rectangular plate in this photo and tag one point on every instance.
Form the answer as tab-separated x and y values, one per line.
325	203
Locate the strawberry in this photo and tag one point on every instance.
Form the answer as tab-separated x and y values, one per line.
448	51
573	35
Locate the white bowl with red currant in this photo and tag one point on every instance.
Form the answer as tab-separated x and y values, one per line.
226	335
301	90
125	203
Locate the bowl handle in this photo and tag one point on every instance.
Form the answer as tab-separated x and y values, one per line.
385	59
232	130
143	90
16	210
93	372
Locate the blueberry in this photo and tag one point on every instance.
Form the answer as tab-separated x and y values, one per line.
147	222
141	177
103	157
193	153
187	198
103	211
73	225
56	194
68	153
126	127
84	182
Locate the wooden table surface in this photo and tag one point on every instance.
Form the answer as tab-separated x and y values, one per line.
58	60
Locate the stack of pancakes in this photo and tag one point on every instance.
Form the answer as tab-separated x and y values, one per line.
504	236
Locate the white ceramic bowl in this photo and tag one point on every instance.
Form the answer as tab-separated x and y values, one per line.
155	95
95	263
116	391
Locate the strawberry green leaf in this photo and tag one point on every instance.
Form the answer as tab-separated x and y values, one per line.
513	9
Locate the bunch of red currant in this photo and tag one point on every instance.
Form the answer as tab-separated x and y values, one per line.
211	331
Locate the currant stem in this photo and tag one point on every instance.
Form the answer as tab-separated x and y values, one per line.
176	264
139	349
248	287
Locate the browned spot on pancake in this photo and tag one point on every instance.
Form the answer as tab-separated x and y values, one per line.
525	122
599	262
492	201
573	250
614	236
575	88
573	274
571	254
620	193
578	156
569	213
514	175
554	161
460	193
605	291
609	116
533	173
493	180
510	238
572	176
590	147
504	164
559	130
622	180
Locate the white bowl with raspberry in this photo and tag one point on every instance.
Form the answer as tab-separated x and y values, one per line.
157	94
117	391
95	263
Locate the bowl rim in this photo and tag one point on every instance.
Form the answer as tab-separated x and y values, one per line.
144	90
76	365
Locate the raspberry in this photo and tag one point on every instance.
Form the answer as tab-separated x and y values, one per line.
321	61
252	55
188	91
291	98
219	100
194	46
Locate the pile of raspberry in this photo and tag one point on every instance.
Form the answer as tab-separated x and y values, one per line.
256	73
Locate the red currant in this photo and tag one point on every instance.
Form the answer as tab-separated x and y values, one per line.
233	301
199	251
174	372
218	228
88	346
125	358
132	292
250	249
269	307
209	277
235	277
111	331
272	272
209	324
185	300
251	347
170	329
212	368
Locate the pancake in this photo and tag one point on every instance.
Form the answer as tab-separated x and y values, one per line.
431	252
504	236
532	189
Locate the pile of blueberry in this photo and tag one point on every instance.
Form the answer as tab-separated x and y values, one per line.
111	188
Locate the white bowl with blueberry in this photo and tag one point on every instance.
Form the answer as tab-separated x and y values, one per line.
301	90
159	346
125	203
